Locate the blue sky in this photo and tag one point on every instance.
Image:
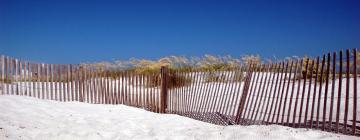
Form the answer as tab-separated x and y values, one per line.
55	31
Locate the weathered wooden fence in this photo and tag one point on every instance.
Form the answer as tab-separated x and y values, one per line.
318	93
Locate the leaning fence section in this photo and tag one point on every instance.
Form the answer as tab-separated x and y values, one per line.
319	93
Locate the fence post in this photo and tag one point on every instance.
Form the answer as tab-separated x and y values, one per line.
164	89
244	93
3	74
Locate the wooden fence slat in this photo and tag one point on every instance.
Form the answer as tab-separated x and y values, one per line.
39	81
51	81
332	91
309	93
103	87
56	81
297	95
7	74
183	96
121	87
108	88
9	87
117	87
59	82
153	93
77	82
216	88
215	98
347	89
143	95
62	83
320	91
229	91
148	91
42	80
287	92
141	92
303	91
339	93
20	78
277	92
236	93
249	94
81	83
16	76
314	92
244	94
265	91
11	76
195	92
124	89
292	92
67	82
113	87
201	92
2	75
97	88
25	78
274	73
194	81
204	87
224	90
131	90
189	90
326	90
274	94
92	85
174	95
45	81
282	91
136	90
71	83
230	98
258	93
125	80
355	91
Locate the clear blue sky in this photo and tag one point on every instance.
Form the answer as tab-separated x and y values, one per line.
73	31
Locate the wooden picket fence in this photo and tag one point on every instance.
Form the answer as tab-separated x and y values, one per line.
318	93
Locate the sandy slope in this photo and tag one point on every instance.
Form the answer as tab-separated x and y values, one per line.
30	118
